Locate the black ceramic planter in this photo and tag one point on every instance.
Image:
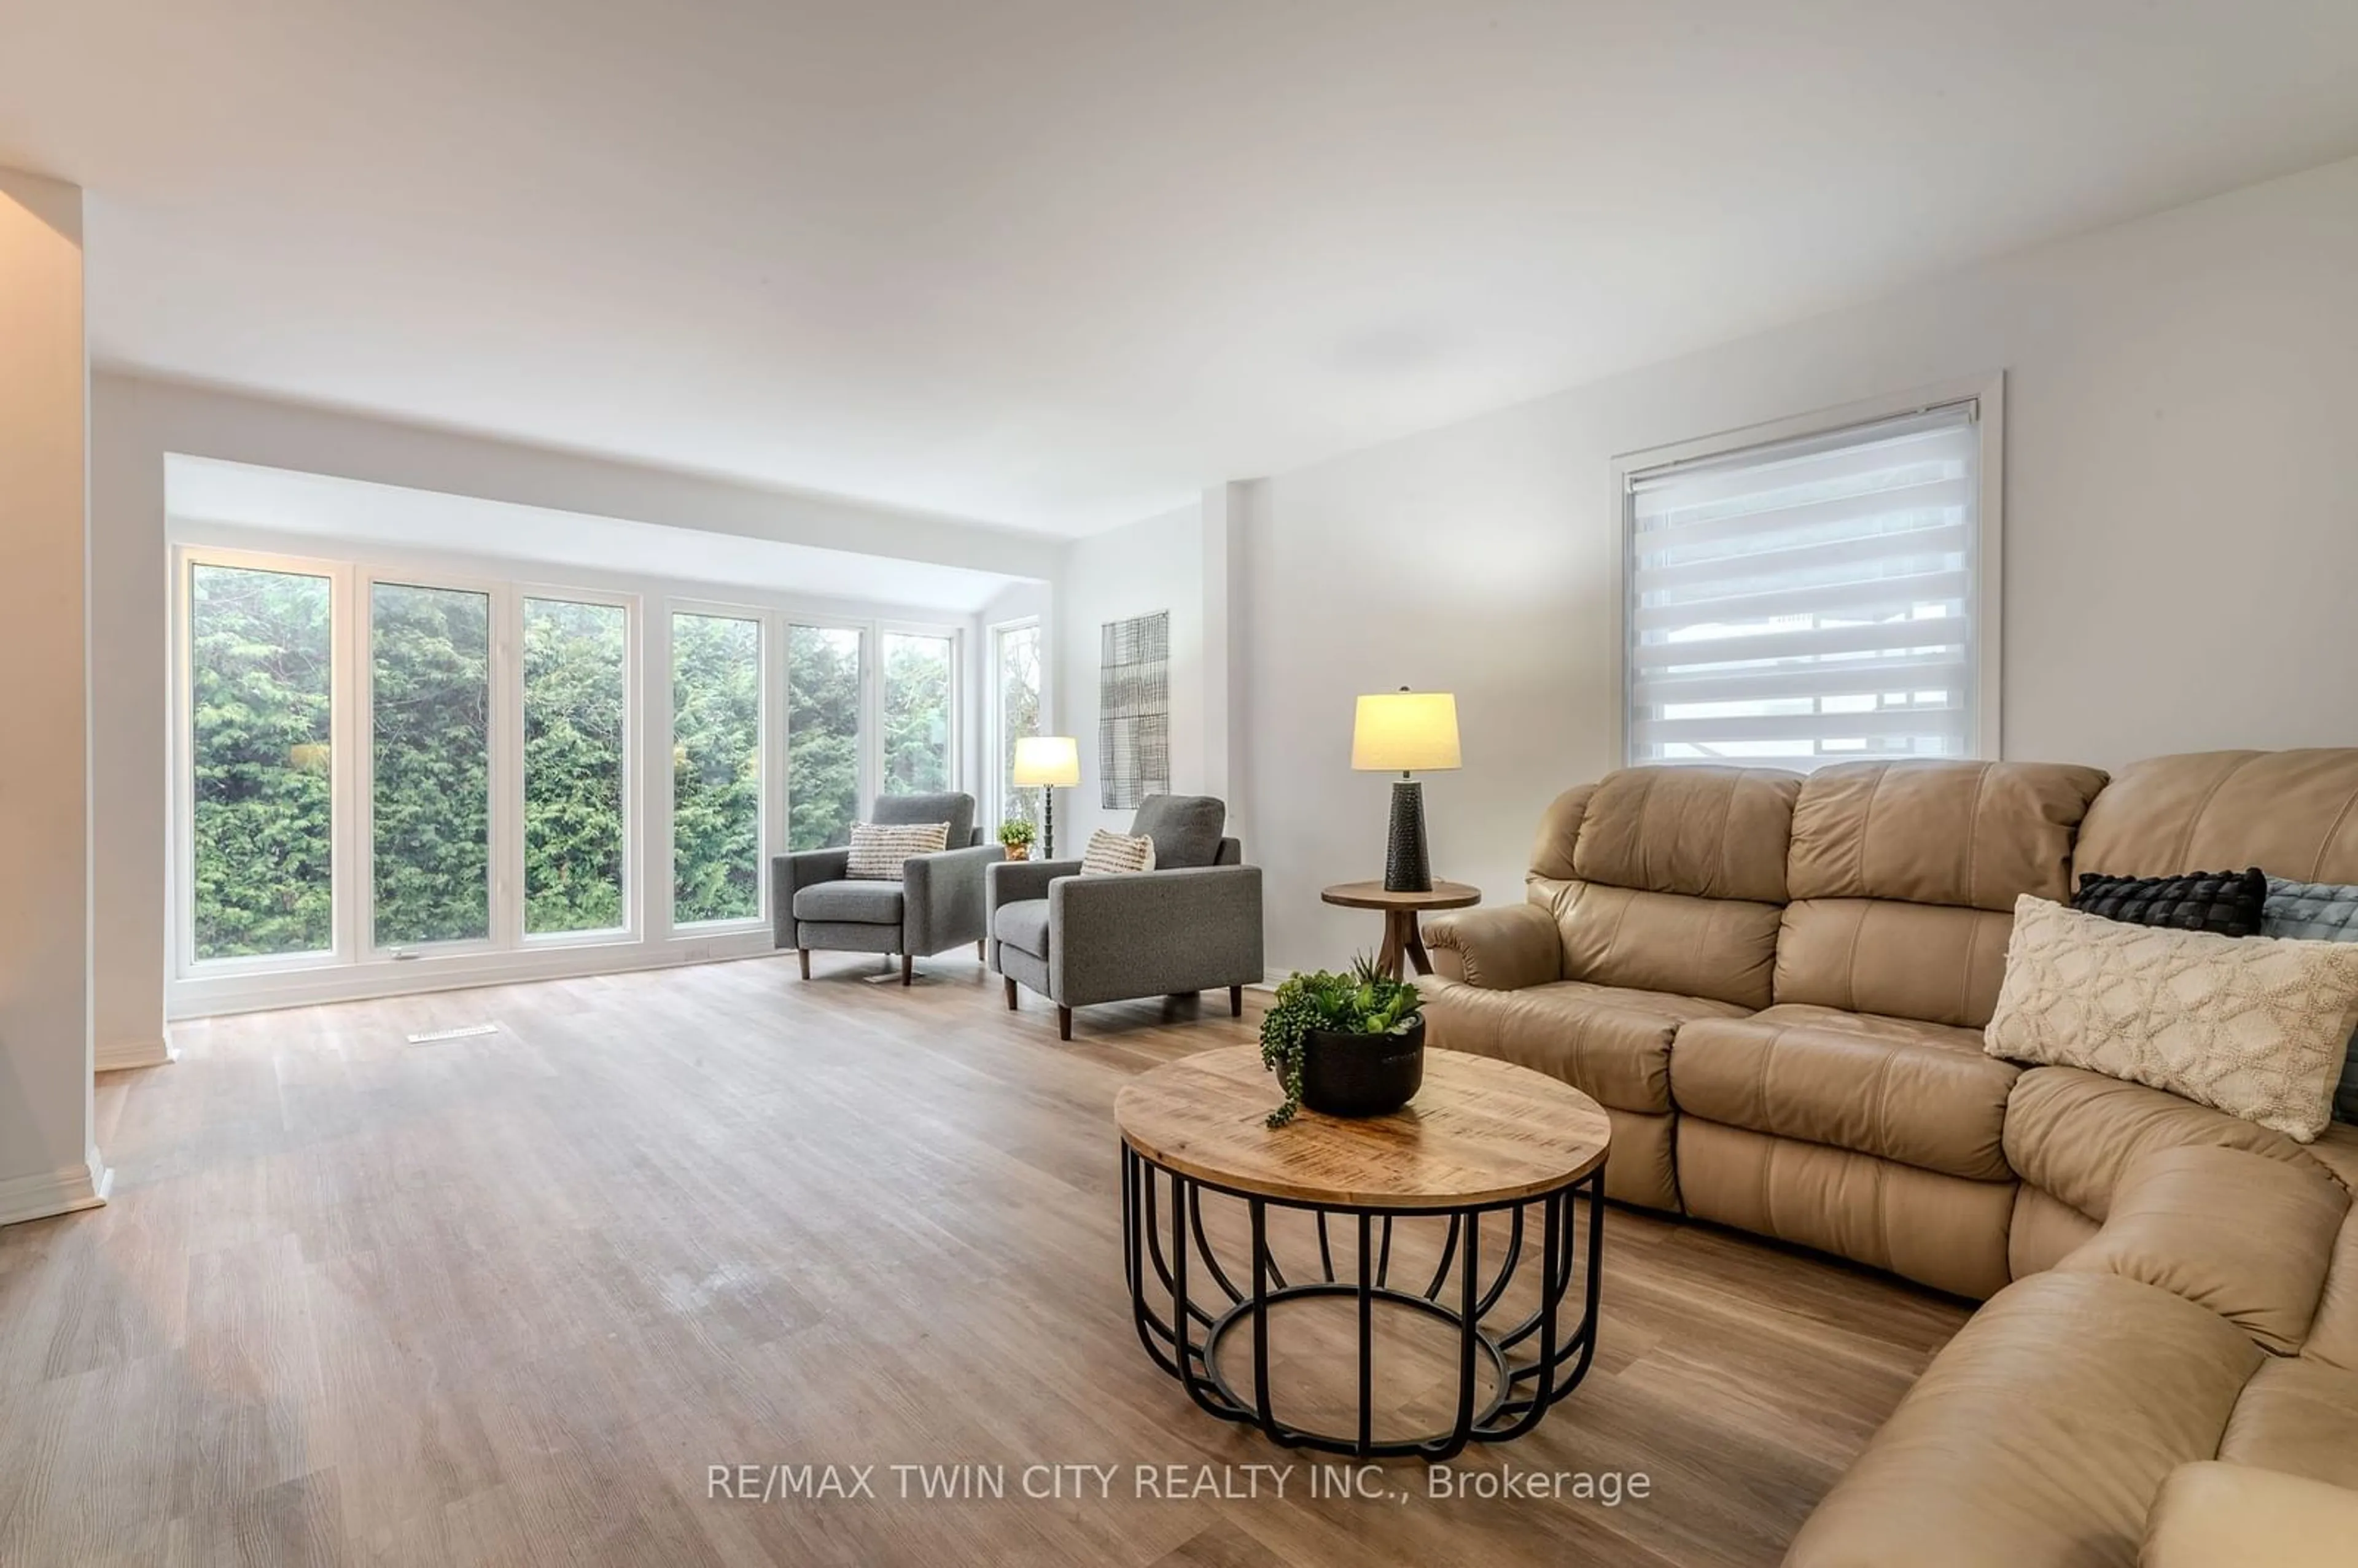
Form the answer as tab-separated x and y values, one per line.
1362	1074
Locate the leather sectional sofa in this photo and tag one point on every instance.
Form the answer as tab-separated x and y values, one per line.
1775	986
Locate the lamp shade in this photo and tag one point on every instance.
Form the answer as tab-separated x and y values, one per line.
1405	732
1051	759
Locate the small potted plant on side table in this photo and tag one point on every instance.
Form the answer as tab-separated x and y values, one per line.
1015	837
1343	1045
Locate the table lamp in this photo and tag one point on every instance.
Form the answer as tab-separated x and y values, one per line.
1047	763
1409	733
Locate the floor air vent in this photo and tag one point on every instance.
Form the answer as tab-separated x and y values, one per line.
429	1037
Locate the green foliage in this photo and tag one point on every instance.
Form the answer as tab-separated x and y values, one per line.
822	736
1015	832
1018	653
431	653
916	714
1361	1003
575	681
260	662
716	767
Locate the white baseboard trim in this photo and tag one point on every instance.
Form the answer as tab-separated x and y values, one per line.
48	1193
127	1053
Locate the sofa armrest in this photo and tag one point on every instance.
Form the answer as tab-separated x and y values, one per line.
945	897
1163	933
1503	949
789	874
1013	882
2210	1515
2247	1237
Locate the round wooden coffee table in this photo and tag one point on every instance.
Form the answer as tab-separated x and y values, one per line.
1403	938
1482	1137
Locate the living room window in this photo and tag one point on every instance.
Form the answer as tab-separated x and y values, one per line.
1014	713
824	702
920	739
716	753
1820	593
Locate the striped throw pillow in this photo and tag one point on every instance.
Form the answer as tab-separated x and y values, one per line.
1110	854
879	848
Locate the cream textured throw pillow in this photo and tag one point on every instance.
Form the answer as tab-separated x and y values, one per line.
2251	1025
1111	853
879	848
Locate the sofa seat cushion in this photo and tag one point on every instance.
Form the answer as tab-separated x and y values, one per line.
1607	1042
862	903
2211	1514
2040	1435
2075	1133
2248	1238
1025	924
2299	1416
1919	1093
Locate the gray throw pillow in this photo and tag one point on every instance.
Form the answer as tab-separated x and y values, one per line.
1185	828
2318	912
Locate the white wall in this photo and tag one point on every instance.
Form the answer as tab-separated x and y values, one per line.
49	1162
1154	563
2181	553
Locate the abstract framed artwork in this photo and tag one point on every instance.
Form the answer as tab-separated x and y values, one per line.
1134	710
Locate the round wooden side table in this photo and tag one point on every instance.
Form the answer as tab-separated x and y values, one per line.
1402	936
1483	1140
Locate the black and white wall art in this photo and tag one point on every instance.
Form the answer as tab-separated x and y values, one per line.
1134	710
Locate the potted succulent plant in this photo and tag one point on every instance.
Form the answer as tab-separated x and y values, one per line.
1343	1045
1015	837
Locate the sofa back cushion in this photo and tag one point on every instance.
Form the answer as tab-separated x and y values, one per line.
2292	814
1670	879
1902	878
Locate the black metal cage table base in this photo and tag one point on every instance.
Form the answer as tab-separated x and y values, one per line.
1214	1309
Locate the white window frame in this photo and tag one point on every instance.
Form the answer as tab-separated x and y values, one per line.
869	746
769	746
343	736
634	717
502	899
1984	616
995	701
873	750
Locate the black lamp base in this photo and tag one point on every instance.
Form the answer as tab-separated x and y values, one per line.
1408	868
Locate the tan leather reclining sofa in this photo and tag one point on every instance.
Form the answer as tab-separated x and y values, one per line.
1776	986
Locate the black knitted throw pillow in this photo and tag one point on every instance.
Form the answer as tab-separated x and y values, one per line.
2225	902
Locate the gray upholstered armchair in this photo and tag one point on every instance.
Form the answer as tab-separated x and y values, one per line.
1191	924
939	903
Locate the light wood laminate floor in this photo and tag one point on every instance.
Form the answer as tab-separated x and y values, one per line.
508	1298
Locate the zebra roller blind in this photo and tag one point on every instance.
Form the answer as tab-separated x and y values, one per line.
1808	601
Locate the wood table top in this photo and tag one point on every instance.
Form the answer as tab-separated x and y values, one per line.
1478	1132
1375	895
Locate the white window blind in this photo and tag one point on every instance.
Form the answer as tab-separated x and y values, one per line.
1810	601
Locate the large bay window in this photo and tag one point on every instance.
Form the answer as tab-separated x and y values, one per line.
1820	596
389	775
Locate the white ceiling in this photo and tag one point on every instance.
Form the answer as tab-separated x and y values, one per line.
408	522
1060	263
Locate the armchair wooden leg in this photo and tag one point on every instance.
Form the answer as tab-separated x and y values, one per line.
1235	1001
908	969
804	954
1010	991
979	954
1063	1022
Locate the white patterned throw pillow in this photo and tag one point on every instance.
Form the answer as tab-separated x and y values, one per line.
2251	1025
879	848
1112	854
